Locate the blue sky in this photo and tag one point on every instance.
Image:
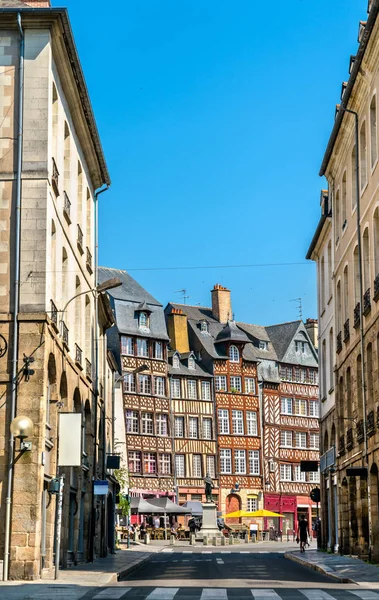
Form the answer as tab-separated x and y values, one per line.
214	117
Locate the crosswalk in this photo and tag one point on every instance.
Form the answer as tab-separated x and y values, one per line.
171	550
171	593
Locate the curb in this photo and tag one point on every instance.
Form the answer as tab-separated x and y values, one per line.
315	567
128	569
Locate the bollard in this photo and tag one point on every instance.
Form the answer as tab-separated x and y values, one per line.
136	536
253	538
215	541
223	540
172	540
246	539
192	539
147	538
230	538
205	541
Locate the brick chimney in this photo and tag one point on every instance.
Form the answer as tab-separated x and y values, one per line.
37	3
311	325
221	303
177	330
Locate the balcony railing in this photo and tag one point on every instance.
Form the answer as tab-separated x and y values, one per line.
346	330
88	369
79	240
341	445
367	302
357	315
360	431
53	313
370	424
376	288
339	342
78	355
55	178
89	260
64	333
349	439
67	207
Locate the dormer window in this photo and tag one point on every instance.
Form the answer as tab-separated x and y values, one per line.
204	327
234	354
300	347
175	361
263	345
143	319
191	363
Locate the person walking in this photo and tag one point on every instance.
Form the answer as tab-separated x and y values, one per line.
303	532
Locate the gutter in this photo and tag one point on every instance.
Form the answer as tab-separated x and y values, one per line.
350	85
315	237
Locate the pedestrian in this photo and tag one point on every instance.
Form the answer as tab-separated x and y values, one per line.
303	532
173	531
156	523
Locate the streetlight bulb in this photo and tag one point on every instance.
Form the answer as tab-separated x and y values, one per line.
22	427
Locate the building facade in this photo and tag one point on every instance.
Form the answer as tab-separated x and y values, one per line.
48	322
350	166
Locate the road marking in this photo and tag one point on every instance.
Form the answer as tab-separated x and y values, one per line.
162	594
111	594
187	552
167	550
214	594
206	552
265	595
219	561
365	595
244	551
317	595
263	552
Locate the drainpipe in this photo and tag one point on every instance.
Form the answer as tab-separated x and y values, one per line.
8	500
96	373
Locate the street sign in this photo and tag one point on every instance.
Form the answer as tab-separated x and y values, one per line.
315	495
100	487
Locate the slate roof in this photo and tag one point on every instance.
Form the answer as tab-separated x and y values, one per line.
252	351
231	333
198	371
130	289
282	335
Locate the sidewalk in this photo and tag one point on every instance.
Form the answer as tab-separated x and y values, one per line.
343	569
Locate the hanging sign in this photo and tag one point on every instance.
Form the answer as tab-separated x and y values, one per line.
70	440
100	487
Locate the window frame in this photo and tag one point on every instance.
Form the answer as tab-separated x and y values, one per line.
177	429
147	422
234	354
223	421
254	462
238	427
193	428
225	461
240	462
251	422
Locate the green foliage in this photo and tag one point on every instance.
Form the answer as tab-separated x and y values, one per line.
124	505
122	476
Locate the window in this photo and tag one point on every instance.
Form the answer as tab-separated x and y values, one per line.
263	345
193	428
175	388
296	374
252	425
300	439
225	460
303	375
127	345
132	421
204	327
144	384
337	217
220	383
343	214
211	466
223	420
235	384
301	408
207	428
179	427
314	476
159	386
314	408
143	320
252	504
158	350
353	178
196	465
191	388
285	473
286	439
298	475
249	385
282	372
240	461
180	465
237	422
147	423
373	131
142	348
149	463
286	406
205	390
162	424
129	382
234	355
134	461
363	155
191	363
314	441
175	361
165	464
289	373
311	376
254	462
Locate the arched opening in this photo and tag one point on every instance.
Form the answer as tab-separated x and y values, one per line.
373	131
353	512
358	408
51	381
349	399
339	308
63	389
111	523
233	503
344	534
345	296
363	155
353	178
331	360
374	491
337	217
326	442
343	202
330	270
323	370
364	529
366	260
322	284
369	378
341	400
356	276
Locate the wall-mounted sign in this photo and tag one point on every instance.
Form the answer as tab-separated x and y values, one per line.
100	487
70	440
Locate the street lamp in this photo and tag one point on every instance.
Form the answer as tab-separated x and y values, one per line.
21	428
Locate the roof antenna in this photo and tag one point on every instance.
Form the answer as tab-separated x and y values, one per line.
184	292
300	307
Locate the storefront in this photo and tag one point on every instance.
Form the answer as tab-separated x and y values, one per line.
285	505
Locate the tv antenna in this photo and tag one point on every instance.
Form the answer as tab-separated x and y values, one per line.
184	292
299	306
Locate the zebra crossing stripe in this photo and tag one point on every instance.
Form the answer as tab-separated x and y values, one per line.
365	594
111	594
214	594
265	595
163	594
317	595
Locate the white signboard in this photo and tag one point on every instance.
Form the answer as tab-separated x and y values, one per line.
70	440
100	487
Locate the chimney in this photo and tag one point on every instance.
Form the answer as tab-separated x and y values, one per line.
177	330
221	303
37	3
311	325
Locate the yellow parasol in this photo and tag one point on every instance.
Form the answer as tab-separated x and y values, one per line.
238	514
264	513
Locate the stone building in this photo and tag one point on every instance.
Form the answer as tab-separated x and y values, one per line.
51	164
321	251
354	205
139	342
